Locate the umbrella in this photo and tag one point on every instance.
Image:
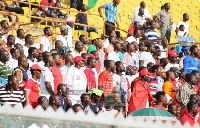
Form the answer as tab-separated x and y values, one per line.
152	113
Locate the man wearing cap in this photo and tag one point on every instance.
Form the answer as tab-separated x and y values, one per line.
45	41
91	79
70	25
189	62
156	55
63	36
95	42
32	88
140	91
173	59
76	80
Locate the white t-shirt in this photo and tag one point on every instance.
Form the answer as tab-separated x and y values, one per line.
135	59
12	63
3	37
130	39
140	19
47	76
169	65
106	43
46	43
76	82
147	57
25	51
119	82
31	63
19	41
63	39
113	56
146	13
186	25
69	36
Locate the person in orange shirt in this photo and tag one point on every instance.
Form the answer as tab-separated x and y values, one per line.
10	43
168	87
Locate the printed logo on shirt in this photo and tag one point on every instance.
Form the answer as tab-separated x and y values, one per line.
78	77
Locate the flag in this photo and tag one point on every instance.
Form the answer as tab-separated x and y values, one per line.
91	4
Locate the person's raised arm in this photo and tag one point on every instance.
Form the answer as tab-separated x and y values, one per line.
49	88
8	29
99	9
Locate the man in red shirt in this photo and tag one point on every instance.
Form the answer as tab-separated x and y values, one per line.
161	100
50	3
105	81
131	29
58	77
32	88
91	63
189	116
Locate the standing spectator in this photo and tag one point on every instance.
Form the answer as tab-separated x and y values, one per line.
76	80
44	54
95	43
168	87
13	62
112	33
184	23
163	18
47	79
141	48
149	67
58	46
187	89
105	81
156	55
54	101
132	29
21	69
29	40
5	70
110	47
58	78
173	60
83	39
45	41
10	94
95	53
69	61
111	12
62	36
146	12
76	4
135	37
146	57
20	37
77	51
131	73
127	57
140	91
82	19
32	88
114	55
62	93
123	50
161	79
91	63
189	62
151	34
10	43
70	25
161	100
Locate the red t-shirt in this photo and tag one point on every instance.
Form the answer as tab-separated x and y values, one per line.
131	30
34	87
46	3
158	106
97	67
187	118
90	78
58	78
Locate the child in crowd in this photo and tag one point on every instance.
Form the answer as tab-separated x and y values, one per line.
181	32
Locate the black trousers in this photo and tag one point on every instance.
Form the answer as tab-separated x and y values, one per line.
109	28
79	4
15	9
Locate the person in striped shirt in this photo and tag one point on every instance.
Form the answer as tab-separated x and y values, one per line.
11	94
151	33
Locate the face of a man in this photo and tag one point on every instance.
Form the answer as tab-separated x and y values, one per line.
57	101
15	83
5	56
121	67
113	66
25	62
93	63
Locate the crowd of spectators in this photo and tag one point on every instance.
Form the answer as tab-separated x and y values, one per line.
102	76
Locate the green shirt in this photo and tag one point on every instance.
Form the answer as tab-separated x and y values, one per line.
91	48
5	71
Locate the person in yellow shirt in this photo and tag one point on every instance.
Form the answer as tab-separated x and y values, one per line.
168	87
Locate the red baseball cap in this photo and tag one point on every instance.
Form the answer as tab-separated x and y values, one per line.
92	56
144	72
37	67
78	58
172	53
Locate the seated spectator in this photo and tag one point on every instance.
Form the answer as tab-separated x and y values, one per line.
141	48
149	67
10	94
4	31
151	33
29	40
135	37
184	23
127	57
20	37
95	43
13	62
131	74
58	46
163	47
10	43
173	59
76	4
62	36
135	54
70	25
140	17
47	10
161	100
77	51
95	105
13	7
156	55
45	41
96	56
181	31
123	50
85	101
76	108
63	94
43	101
114	55
5	70
172	108
32	88
20	47
32	57
54	101
3	82
132	29
161	79
106	42
82	19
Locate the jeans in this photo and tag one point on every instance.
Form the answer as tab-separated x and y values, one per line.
90	29
15	9
166	32
79	4
109	28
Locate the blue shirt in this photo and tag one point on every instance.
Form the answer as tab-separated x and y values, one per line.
160	83
82	18
120	55
189	64
111	12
